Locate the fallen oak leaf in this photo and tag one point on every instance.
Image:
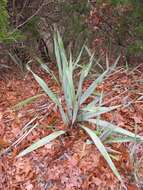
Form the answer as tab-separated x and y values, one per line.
3	143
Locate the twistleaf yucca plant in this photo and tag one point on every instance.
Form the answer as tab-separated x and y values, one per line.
77	109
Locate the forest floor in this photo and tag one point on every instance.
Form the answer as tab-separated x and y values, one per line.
67	163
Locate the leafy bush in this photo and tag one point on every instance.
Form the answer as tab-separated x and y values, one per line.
76	30
35	35
118	27
75	111
134	23
6	34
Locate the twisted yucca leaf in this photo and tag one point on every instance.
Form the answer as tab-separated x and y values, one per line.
114	128
92	112
41	142
83	75
51	95
65	73
102	150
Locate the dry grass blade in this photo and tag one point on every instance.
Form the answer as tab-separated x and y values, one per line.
26	102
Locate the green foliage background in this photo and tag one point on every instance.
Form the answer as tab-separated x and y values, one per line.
134	23
72	19
31	38
7	35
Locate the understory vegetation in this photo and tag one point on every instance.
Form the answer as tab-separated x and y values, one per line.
77	111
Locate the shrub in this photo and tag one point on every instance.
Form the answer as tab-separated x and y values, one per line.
134	23
6	33
118	27
78	111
